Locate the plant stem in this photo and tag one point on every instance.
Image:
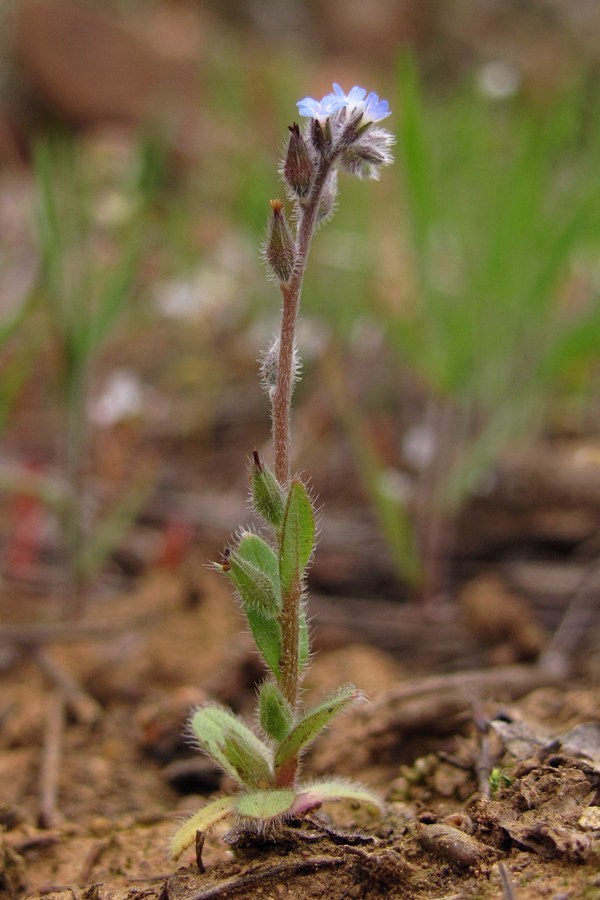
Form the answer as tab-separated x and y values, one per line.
282	411
291	291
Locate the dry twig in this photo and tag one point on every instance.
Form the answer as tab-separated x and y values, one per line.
85	709
51	760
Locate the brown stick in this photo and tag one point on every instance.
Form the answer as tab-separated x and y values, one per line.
85	709
51	760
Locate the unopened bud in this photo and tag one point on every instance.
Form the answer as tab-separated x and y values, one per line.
321	137
353	130
267	496
280	250
298	168
269	367
255	586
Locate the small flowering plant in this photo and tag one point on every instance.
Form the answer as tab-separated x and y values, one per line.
268	571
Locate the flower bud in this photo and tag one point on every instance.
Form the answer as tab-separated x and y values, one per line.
269	367
369	153
280	249
321	136
267	496
298	168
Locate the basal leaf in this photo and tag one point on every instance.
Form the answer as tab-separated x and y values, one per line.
265	804
232	745
202	821
318	792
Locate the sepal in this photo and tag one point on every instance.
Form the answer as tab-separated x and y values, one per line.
268	498
280	249
298	168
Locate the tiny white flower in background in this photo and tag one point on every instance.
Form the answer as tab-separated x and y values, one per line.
121	399
498	79
419	446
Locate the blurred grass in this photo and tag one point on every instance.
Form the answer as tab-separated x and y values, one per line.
476	260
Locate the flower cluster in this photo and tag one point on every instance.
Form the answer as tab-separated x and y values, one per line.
372	108
342	126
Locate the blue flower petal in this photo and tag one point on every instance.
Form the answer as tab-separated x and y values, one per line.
357	94
376	109
372	108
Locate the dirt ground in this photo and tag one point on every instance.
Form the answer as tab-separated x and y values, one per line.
491	776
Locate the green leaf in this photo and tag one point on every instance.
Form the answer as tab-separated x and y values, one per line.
267	637
304	641
232	745
297	536
265	804
202	821
313	722
274	711
319	792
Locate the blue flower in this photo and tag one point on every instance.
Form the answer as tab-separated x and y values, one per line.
356	101
376	109
319	109
372	108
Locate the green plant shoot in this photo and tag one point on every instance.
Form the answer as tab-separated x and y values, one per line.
268	570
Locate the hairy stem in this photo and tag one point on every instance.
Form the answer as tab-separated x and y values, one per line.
282	398
282	410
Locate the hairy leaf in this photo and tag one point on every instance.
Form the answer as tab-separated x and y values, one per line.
297	536
318	792
232	745
313	722
304	641
267	637
265	804
202	821
274	711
